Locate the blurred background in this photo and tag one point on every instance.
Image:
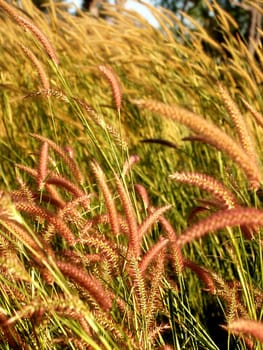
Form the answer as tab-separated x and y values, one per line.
248	18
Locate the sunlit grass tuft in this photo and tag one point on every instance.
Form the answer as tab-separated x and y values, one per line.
125	164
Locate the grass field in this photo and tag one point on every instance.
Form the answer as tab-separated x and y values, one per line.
131	170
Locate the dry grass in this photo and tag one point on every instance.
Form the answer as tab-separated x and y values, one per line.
92	254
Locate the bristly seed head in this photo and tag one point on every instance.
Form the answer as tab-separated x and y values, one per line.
207	183
230	217
115	85
27	25
211	133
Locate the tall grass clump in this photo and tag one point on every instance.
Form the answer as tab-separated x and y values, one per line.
131	163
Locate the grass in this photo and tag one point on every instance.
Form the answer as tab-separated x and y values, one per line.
131	202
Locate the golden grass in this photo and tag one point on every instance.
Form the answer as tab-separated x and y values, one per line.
116	252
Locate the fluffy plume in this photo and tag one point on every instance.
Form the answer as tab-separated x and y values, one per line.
230	217
207	183
151	219
210	132
152	253
58	94
64	155
241	126
114	83
42	74
258	117
101	122
139	285
112	212
142	192
42	166
91	284
203	274
55	221
26	24
247	327
134	241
